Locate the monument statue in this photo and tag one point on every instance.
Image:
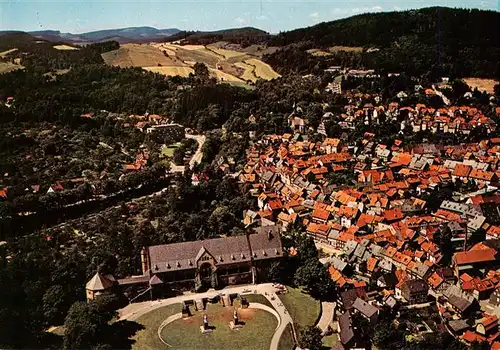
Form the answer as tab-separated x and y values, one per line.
235	317
205	322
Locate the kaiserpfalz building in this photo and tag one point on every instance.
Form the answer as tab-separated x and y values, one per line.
209	263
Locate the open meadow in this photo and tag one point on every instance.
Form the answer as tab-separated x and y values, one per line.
225	62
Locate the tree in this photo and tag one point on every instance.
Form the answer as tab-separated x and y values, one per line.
55	305
201	71
87	325
386	336
312	275
310	338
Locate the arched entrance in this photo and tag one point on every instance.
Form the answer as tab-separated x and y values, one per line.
207	275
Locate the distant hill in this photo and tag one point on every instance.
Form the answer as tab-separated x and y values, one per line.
122	35
454	41
244	36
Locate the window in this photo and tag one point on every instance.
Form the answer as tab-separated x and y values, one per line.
205	258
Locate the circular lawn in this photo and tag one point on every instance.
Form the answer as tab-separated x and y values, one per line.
257	332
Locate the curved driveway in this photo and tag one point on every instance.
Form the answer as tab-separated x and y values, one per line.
134	311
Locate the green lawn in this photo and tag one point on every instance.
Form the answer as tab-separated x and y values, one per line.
148	338
330	340
256	333
258	298
168	151
286	340
303	308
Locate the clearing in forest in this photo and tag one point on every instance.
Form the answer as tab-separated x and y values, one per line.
262	70
481	84
225	61
6	67
5	53
65	47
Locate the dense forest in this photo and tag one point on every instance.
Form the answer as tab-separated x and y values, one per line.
244	36
459	42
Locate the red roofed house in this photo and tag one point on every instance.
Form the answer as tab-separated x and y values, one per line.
474	259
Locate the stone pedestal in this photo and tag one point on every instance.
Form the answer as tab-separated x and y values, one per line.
204	330
235	326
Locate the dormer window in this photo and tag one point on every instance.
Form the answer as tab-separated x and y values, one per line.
190	263
242	256
264	253
168	265
178	264
156	267
232	257
276	251
220	258
254	254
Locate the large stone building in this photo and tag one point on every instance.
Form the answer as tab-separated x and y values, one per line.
208	263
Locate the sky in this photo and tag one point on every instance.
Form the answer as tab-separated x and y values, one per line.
78	16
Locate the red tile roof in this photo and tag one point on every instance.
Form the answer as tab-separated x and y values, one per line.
474	256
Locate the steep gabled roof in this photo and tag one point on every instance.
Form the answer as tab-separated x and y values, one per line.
99	283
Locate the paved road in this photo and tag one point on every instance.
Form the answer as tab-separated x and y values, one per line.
134	311
327	311
195	159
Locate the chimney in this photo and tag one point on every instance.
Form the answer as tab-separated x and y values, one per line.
269	235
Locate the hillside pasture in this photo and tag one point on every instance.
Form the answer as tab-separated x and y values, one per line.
248	71
5	53
170	70
224	63
6	67
65	47
222	76
481	84
135	55
356	49
318	53
263	70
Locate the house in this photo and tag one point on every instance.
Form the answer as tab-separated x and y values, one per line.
98	285
461	306
474	259
346	330
217	261
366	310
57	187
487	325
347	298
415	291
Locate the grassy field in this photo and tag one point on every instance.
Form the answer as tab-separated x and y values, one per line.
147	338
303	309
481	84
249	71
286	341
256	333
5	53
258	298
65	47
225	62
330	340
357	49
168	151
262	70
317	52
171	71
135	55
6	67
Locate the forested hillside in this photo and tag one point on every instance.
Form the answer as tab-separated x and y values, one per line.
457	41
